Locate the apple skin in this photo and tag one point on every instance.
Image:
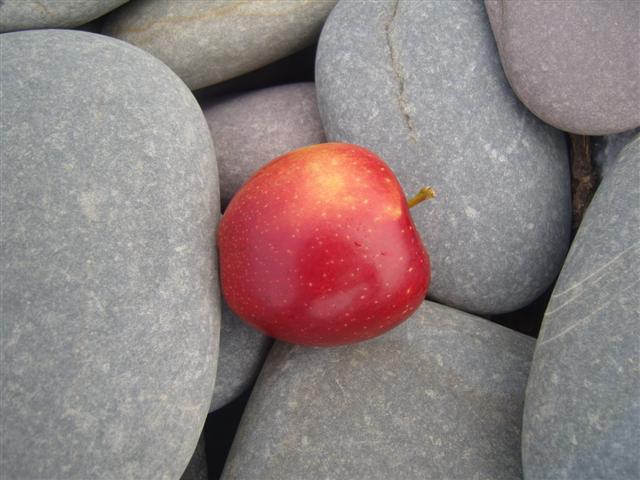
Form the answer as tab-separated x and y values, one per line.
318	248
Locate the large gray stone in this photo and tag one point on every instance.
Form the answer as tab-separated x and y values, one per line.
251	129
110	304
242	352
574	63
607	148
582	411
420	83
440	396
208	42
27	14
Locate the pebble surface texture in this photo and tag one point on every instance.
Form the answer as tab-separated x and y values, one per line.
420	84
582	411
574	63
208	42
242	352
251	129
110	307
27	14
440	396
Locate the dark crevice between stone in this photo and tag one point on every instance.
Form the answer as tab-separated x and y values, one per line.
94	26
219	431
296	68
528	319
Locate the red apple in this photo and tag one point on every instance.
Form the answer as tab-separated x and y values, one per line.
318	248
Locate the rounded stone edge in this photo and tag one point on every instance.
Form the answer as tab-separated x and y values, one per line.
55	19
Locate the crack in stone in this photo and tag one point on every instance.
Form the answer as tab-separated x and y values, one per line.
398	71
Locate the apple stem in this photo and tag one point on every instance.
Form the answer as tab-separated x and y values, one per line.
425	193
